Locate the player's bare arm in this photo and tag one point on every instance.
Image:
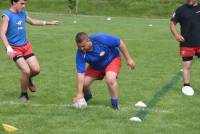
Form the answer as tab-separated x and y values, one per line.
173	29
130	62
10	52
37	22
79	82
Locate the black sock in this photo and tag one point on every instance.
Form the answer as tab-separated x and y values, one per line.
186	84
24	94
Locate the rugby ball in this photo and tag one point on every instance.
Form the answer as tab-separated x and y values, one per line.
80	104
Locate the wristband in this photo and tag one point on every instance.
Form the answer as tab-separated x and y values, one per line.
9	49
44	22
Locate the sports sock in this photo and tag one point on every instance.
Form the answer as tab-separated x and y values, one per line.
24	94
87	95
114	103
186	84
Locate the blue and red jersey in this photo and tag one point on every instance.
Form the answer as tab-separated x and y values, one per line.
16	32
105	48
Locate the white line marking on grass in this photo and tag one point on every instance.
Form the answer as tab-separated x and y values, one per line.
144	109
123	108
148	40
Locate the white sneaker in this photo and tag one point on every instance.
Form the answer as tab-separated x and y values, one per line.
187	90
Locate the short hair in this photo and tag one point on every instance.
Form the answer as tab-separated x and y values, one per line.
12	1
81	36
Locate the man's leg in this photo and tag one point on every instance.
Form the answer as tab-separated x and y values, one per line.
198	57
25	74
187	54
87	87
187	64
91	75
35	70
111	80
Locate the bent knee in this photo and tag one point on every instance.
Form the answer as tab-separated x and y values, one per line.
111	81
35	70
26	72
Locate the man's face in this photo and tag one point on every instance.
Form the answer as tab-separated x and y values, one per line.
20	5
85	45
191	2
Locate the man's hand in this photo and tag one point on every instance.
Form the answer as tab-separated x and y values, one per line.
179	38
78	97
130	63
10	53
54	22
80	104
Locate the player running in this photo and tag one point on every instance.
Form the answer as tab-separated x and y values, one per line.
13	35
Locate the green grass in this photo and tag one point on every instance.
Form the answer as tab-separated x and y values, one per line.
136	8
156	55
53	6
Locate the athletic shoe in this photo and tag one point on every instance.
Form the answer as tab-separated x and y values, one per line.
31	86
188	90
87	95
115	107
24	97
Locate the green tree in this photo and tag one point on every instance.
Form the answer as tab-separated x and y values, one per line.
71	4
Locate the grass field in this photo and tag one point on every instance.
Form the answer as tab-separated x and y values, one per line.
49	112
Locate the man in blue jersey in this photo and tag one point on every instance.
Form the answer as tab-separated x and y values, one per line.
102	53
13	35
188	16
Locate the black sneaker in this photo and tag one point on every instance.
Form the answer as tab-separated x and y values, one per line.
87	95
115	107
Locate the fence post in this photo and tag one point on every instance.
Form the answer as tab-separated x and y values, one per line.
77	6
97	6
